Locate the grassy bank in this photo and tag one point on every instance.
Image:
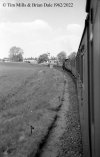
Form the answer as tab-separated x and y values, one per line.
29	96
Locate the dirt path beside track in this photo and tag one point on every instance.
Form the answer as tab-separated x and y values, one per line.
53	145
64	138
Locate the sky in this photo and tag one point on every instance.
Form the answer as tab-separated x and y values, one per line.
39	30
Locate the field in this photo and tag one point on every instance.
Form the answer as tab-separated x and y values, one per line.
29	98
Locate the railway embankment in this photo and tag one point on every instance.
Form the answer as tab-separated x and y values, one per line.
38	113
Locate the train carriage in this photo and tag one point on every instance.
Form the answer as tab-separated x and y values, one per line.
85	66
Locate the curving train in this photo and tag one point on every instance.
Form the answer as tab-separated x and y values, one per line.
85	66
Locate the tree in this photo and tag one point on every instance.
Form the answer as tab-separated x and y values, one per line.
43	58
72	55
61	56
16	54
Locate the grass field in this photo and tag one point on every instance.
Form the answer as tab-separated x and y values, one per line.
29	96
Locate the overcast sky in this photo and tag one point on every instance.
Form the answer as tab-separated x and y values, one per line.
39	30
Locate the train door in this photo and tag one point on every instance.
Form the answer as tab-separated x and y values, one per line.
90	87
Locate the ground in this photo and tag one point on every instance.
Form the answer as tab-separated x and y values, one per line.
38	112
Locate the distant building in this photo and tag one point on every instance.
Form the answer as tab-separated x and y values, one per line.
33	61
6	60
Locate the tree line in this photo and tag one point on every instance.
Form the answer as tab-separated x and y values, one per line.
16	55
